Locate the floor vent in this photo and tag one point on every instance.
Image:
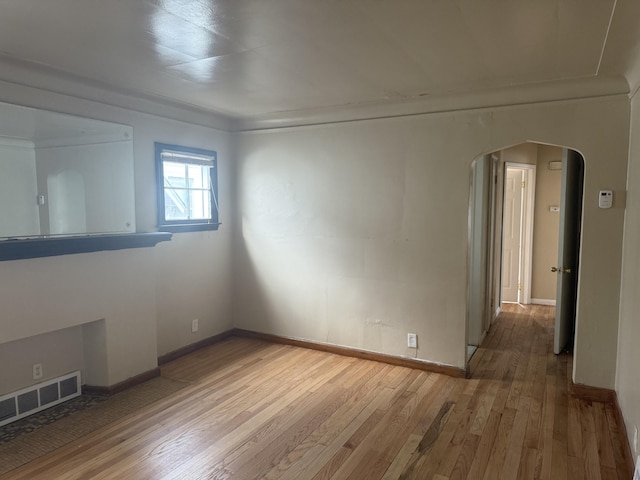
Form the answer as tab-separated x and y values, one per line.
33	399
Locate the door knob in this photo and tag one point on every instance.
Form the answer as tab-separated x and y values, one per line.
560	270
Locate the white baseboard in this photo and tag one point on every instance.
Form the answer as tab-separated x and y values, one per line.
497	312
543	301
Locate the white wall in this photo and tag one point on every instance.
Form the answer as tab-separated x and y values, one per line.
60	351
356	233
627	379
47	294
18	189
134	304
194	274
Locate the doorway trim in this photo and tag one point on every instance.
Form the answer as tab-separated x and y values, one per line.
526	238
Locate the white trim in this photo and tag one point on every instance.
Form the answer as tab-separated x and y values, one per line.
533	93
528	205
28	83
529	212
482	337
543	301
497	312
16	143
35	85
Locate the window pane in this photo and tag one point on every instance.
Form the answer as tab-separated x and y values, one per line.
176	204
200	205
186	178
174	174
198	176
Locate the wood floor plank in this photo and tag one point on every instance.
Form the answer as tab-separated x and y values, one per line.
222	422
423	462
499	450
365	446
399	464
435	440
463	463
605	448
485	446
254	410
334	463
265	422
618	441
451	439
516	440
294	430
575	468
332	444
431	410
559	461
530	464
574	429
272	425
548	417
321	443
590	443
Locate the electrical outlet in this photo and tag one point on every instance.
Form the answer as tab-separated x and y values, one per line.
37	371
194	325
412	340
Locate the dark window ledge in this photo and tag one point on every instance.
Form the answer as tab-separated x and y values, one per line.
19	248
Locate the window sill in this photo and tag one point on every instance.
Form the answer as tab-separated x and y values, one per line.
36	247
189	227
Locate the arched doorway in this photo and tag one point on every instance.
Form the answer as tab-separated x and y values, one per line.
554	236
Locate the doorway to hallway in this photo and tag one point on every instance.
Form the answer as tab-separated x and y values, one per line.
518	236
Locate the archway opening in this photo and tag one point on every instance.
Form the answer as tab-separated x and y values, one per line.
524	235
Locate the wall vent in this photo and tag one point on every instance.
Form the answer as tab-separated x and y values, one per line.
33	399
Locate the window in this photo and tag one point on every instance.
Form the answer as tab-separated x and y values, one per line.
187	188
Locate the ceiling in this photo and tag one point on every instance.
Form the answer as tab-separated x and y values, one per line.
252	58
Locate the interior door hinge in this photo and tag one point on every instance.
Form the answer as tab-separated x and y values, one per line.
523	184
519	287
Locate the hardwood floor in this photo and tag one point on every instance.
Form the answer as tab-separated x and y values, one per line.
258	410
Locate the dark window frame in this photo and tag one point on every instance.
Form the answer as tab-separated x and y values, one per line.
186	225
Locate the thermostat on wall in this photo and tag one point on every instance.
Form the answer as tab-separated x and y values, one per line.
605	199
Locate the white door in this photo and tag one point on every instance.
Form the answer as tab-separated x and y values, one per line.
568	248
512	235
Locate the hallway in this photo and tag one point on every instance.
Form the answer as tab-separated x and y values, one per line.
551	434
